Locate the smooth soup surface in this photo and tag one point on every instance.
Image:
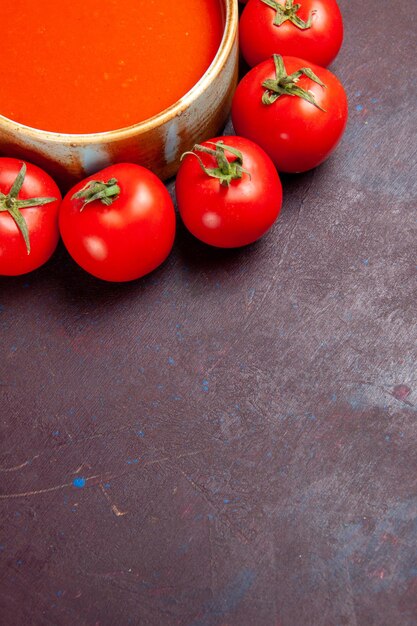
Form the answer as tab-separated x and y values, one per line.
96	65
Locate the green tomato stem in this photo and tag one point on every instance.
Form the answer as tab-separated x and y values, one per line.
11	204
226	170
284	85
289	13
106	192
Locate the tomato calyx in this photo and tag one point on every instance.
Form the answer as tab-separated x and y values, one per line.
289	12
226	170
106	192
286	85
11	204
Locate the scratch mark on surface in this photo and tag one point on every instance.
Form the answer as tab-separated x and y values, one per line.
175	458
400	393
70	437
283	254
36	492
18	467
103	477
115	510
222	516
82	466
252	310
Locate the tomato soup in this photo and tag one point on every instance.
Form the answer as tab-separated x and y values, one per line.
84	66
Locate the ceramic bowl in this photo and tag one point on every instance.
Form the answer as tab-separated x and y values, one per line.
156	143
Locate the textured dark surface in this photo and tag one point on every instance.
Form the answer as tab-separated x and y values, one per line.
231	441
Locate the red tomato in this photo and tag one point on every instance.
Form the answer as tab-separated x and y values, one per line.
235	199
29	202
118	224
296	133
313	31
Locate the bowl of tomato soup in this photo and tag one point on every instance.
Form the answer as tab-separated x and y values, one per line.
94	82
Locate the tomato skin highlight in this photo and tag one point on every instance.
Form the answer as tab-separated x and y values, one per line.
297	135
235	215
42	221
260	38
129	238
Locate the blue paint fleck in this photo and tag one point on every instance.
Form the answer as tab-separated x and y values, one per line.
107	485
184	547
59	594
205	386
13	349
365	261
178	332
171	361
359	107
387	437
311	417
374	100
56	433
132	461
226	500
355	403
333	397
79	482
140	433
210	517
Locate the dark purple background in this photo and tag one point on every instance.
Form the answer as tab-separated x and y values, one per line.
232	440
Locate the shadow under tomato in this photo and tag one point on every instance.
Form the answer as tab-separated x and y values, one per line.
61	280
298	182
80	287
200	257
